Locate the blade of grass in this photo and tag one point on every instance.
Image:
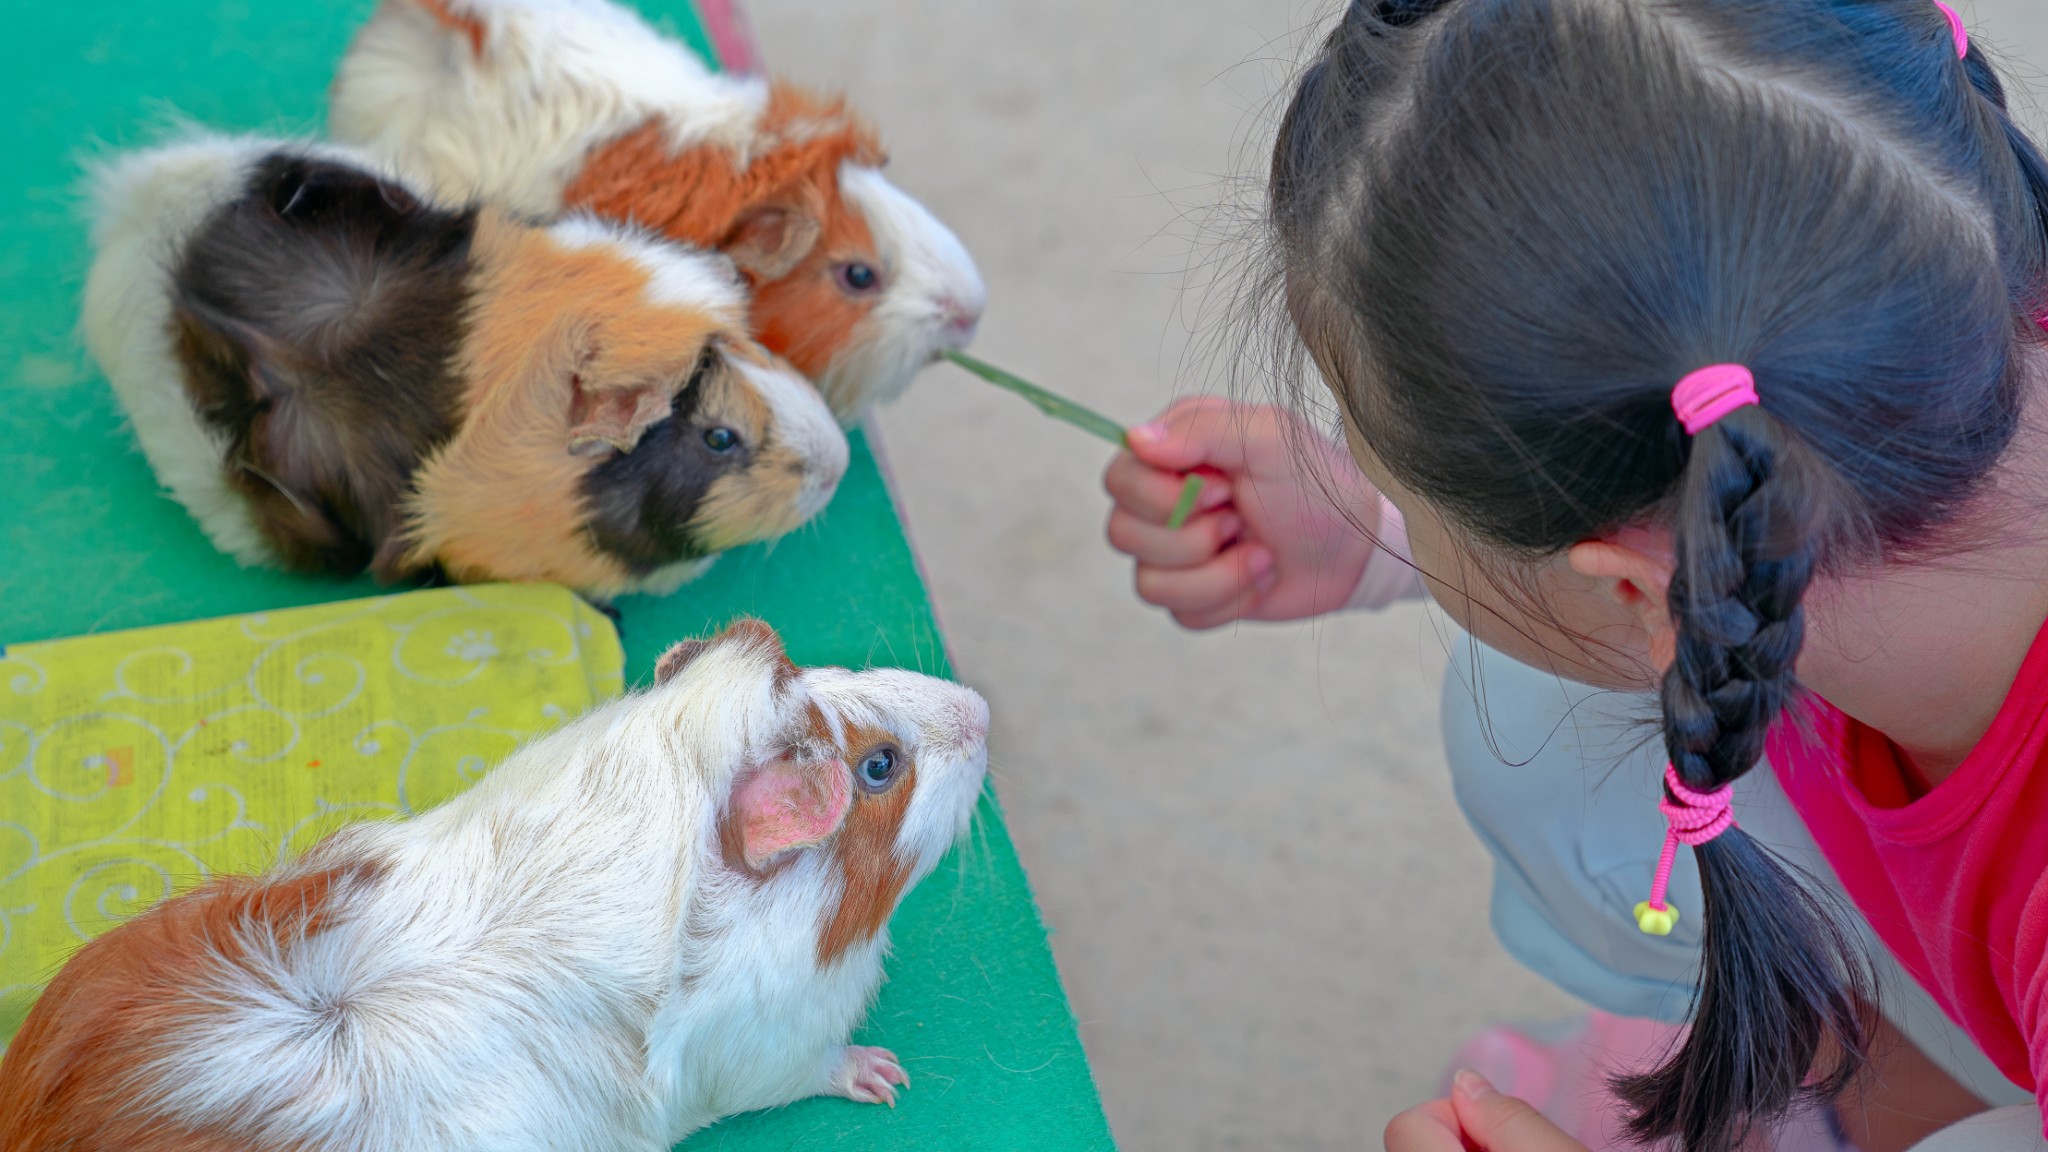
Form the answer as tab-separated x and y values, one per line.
1080	416
1190	491
1051	403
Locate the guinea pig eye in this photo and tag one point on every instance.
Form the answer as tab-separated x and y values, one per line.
878	769
858	278
720	439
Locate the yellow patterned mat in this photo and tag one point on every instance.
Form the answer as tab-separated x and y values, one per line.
133	764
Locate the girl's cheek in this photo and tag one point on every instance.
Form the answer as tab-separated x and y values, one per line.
1545	620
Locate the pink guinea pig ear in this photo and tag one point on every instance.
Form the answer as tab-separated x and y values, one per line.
605	417
784	805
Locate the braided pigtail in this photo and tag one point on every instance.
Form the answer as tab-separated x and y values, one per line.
1779	984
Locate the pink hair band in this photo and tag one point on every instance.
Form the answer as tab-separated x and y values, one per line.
1705	396
1692	818
1956	29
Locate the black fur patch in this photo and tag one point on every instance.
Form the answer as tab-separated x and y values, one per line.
641	502
317	318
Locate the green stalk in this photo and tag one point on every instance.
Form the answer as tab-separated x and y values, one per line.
1086	419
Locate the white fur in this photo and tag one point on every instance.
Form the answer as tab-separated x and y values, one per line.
676	276
803	422
145	205
556	78
559	959
932	297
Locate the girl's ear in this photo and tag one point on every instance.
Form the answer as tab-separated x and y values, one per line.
1633	568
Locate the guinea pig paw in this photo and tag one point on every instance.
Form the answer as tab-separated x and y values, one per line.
869	1075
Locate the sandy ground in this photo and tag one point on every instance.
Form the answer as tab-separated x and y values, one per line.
1267	910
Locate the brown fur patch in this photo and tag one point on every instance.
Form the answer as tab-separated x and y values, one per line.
69	1078
468	26
752	632
316	318
866	848
503	500
806	316
702	195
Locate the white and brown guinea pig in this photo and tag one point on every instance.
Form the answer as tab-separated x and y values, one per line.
673	909
542	105
334	373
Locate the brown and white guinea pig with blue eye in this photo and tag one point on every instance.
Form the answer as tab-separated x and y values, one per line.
672	909
333	373
542	105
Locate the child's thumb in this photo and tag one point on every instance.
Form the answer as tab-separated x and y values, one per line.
1496	1122
1202	431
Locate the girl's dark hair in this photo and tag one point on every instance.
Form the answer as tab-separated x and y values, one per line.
1506	229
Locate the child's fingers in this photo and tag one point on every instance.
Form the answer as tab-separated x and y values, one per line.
1183	547
1150	494
1210	586
1431	1127
1237	609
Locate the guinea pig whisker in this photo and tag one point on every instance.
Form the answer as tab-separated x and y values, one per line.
274	482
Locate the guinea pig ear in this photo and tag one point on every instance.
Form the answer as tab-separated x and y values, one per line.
617	416
677	658
773	238
784	805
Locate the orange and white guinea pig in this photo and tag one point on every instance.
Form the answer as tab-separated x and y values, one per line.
673	909
334	373
542	105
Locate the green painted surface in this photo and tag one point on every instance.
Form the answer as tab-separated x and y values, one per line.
88	544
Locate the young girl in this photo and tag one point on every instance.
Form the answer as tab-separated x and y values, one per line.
1694	342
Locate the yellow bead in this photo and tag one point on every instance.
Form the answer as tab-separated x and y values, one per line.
1656	921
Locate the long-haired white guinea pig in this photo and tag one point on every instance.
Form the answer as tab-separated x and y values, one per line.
547	104
335	373
672	909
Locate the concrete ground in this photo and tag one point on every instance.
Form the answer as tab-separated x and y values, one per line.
1267	911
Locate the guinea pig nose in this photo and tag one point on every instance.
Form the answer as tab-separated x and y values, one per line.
961	319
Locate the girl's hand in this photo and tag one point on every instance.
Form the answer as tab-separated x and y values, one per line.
1476	1118
1267	541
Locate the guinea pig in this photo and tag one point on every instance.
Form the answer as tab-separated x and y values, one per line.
672	909
542	105
335	373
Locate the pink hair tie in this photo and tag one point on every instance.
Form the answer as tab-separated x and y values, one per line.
1705	396
1956	29
1693	818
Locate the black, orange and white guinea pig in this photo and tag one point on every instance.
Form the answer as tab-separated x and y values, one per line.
334	373
542	105
672	909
